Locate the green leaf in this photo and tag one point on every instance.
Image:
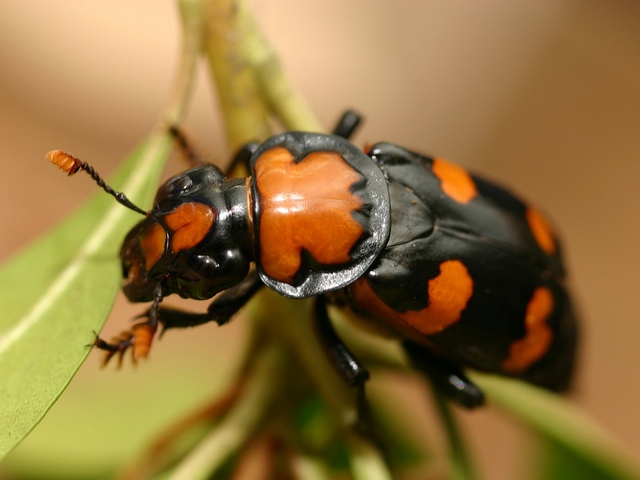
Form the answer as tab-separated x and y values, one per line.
59	290
558	462
569	432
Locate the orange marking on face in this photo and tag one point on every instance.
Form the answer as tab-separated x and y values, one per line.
541	231
190	223
152	242
455	181
305	205
449	294
538	336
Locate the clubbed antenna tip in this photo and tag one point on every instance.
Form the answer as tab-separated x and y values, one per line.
70	165
65	162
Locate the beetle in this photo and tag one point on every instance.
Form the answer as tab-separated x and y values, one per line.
465	273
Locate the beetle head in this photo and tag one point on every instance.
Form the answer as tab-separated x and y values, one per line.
191	243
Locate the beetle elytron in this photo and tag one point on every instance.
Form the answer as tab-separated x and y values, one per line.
465	273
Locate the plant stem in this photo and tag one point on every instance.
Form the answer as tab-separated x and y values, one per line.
245	112
366	461
261	387
192	37
249	78
460	462
290	323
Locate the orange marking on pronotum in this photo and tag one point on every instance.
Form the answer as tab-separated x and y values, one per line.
541	231
305	205
190	223
152	243
455	181
538	336
449	294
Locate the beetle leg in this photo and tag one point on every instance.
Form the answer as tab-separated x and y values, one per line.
347	124
347	365
445	376
139	338
339	355
223	307
233	299
242	159
185	147
117	347
350	369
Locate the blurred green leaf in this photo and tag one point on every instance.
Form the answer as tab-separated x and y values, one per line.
558	462
571	436
60	289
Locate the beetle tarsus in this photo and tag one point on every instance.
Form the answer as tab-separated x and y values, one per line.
116	348
138	340
445	376
347	124
347	365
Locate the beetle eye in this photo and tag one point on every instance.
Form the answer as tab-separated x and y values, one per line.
174	187
179	185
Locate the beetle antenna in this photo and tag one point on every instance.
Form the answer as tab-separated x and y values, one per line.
71	165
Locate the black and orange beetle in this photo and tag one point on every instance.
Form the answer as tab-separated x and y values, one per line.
465	273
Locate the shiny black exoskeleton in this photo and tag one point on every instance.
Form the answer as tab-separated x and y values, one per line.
463	272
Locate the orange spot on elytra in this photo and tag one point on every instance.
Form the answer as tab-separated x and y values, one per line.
455	181
190	223
305	205
152	242
449	294
541	231
538	336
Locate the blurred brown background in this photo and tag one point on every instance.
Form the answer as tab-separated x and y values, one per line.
542	95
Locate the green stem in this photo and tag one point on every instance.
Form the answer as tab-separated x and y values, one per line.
459	459
309	468
193	33
366	461
249	78
241	421
245	113
284	101
290	323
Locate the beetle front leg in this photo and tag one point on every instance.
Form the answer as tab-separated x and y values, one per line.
221	309
140	337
